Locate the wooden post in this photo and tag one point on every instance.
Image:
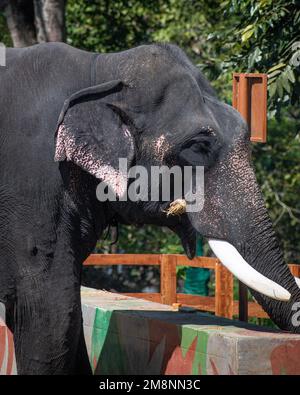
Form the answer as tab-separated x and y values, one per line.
249	97
168	279
243	103
223	292
295	270
243	302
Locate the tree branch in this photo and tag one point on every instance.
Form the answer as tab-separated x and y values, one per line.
50	20
20	21
291	211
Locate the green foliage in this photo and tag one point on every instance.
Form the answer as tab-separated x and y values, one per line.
148	239
105	26
4	32
267	32
278	170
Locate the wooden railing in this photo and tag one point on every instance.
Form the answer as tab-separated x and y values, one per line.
222	304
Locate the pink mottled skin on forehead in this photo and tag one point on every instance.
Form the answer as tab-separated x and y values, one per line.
231	192
83	156
161	147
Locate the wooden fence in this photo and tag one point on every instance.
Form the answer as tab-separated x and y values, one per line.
222	304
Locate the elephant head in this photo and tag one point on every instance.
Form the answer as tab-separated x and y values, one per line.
154	108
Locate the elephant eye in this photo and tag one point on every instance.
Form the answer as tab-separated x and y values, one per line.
199	151
201	146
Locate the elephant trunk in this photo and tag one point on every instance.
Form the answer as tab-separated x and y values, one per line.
235	220
261	250
267	275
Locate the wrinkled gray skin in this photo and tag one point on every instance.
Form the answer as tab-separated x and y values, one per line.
155	108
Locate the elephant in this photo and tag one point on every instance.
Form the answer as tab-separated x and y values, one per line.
67	117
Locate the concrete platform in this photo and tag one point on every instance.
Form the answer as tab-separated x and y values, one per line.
132	336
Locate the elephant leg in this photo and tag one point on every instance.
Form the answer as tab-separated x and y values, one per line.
9	316
48	331
82	366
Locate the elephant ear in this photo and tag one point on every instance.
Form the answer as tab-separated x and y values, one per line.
92	134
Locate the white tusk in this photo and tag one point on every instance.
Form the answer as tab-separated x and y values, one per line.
297	281
234	262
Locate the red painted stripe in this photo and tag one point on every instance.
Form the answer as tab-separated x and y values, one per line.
2	344
10	358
